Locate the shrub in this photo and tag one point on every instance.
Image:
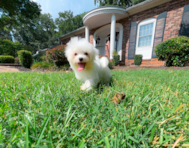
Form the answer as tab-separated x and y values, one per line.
116	58
111	64
175	51
138	59
45	65
25	58
6	59
57	56
40	57
8	47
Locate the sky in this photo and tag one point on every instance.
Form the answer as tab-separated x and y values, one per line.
55	6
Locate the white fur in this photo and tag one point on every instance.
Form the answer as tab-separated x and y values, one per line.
96	70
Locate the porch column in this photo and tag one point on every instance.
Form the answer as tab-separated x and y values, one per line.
112	37
119	50
87	33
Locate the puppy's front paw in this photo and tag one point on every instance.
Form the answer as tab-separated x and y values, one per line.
84	88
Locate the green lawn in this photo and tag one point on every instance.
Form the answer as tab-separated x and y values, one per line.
49	110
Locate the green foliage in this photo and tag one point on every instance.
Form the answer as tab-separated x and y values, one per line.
17	12
40	34
49	66
175	51
116	58
25	58
111	64
138	59
67	22
122	3
6	59
5	34
8	47
40	57
44	65
57	55
50	110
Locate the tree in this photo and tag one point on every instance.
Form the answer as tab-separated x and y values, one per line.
17	12
5	34
122	3
39	34
67	22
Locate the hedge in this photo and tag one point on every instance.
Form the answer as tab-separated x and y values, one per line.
6	59
25	58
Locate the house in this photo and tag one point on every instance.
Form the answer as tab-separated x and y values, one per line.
134	30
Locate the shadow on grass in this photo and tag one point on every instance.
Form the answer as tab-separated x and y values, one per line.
100	86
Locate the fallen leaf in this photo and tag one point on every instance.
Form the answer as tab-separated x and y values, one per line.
118	97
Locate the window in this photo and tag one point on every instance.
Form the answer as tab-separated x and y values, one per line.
145	35
145	38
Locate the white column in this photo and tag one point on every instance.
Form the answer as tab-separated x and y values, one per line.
112	37
120	42
94	40
87	33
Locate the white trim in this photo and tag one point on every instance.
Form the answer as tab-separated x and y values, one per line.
146	51
104	10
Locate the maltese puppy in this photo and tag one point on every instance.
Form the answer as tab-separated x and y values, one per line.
84	61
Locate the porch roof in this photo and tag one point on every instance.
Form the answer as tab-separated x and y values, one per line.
102	15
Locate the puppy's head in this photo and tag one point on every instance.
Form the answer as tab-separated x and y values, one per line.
80	53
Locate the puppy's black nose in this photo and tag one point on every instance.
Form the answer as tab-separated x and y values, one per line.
80	59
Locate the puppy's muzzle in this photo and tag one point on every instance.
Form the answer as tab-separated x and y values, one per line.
80	59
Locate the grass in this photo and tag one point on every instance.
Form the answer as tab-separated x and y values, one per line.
49	110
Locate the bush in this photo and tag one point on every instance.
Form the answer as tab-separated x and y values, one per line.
116	58
111	64
175	51
8	47
6	59
40	57
45	65
138	59
57	56
49	66
25	58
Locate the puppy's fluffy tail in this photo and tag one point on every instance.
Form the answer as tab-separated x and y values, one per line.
104	62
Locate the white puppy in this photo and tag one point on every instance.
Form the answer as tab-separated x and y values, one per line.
84	61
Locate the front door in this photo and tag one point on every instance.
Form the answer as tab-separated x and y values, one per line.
145	38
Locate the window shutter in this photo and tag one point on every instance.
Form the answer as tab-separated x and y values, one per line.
184	29
132	40
160	27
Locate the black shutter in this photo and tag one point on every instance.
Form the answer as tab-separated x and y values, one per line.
160	27
184	29
132	40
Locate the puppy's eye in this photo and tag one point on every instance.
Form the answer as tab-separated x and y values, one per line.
86	53
75	53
